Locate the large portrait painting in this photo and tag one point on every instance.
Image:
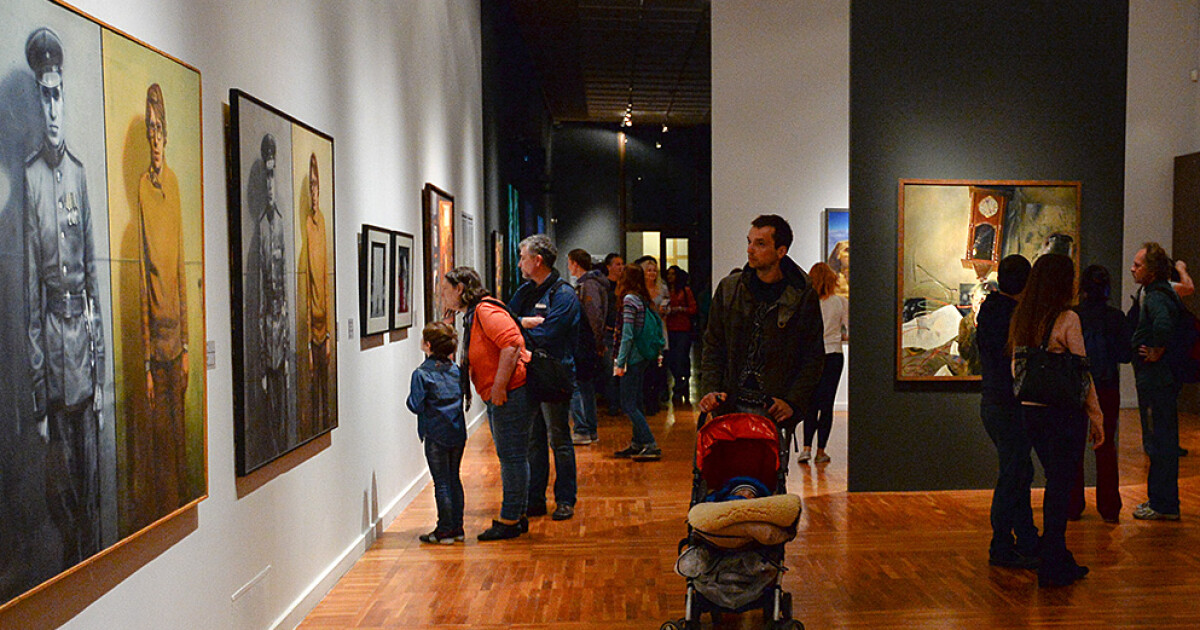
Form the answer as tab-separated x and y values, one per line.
102	407
438	219
284	310
953	235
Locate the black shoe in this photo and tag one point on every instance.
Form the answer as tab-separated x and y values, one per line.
563	512
500	531
648	454
536	509
439	538
628	451
1183	452
1013	559
523	523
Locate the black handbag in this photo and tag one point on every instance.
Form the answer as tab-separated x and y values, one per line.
1055	379
548	379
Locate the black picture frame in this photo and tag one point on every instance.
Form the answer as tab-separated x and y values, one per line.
374	287
401	276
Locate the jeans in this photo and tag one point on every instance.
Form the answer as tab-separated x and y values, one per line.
1108	487
550	422
1011	513
444	463
510	433
583	407
631	396
1058	435
1159	408
819	419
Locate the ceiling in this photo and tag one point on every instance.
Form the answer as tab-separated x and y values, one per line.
596	57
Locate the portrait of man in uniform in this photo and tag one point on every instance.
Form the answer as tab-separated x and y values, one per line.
159	452
273	311
319	345
65	331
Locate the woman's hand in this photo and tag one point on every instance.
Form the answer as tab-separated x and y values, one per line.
499	394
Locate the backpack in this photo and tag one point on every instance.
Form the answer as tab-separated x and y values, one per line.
1183	350
650	341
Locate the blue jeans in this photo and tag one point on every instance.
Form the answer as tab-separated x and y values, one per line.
1159	408
583	407
1012	516
551	423
631	398
510	433
444	464
1059	436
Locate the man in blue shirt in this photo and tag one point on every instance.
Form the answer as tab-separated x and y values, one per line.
548	311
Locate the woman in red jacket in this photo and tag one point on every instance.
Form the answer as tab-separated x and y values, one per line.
678	313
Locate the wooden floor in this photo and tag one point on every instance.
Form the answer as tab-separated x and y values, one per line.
863	560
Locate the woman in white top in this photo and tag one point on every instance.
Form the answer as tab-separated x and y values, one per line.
1058	433
835	311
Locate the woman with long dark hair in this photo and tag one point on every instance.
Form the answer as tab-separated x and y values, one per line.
631	365
1058	433
835	312
494	356
678	313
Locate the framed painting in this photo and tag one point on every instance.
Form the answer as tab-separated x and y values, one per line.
281	218
375	287
953	233
835	246
438	218
402	282
99	338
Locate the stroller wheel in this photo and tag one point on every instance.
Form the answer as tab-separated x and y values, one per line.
672	625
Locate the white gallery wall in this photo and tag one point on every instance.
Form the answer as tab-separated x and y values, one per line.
780	111
397	84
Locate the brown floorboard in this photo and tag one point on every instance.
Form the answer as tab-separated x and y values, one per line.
863	560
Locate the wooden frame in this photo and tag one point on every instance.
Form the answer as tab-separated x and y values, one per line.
374	287
401	281
438	219
284	323
939	288
134	489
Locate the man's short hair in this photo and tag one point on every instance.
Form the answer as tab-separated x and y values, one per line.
1157	261
155	103
541	245
581	258
783	231
609	258
1013	273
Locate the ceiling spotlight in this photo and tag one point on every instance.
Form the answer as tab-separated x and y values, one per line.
664	128
657	145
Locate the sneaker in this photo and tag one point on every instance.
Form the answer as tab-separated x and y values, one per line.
501	531
439	538
821	459
1147	513
648	453
628	451
563	512
804	457
581	439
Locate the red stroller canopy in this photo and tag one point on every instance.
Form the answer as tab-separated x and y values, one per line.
738	445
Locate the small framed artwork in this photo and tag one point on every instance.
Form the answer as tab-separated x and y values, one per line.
836	246
497	264
401	279
438	218
374	295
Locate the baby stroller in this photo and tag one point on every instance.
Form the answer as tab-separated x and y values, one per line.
733	556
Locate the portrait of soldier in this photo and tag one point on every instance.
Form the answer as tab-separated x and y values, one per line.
65	336
273	316
160	451
318	304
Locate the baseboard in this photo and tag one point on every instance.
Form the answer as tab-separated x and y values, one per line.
325	581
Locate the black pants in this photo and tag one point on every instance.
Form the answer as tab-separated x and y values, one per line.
819	419
1058	435
73	480
1011	515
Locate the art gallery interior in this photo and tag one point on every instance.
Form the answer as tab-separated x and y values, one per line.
815	104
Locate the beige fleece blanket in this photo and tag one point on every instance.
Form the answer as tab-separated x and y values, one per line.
732	524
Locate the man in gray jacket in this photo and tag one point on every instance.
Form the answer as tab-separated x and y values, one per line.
592	288
763	347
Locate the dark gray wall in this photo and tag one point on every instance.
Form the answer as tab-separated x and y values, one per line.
966	89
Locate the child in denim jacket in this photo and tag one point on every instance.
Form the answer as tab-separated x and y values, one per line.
436	396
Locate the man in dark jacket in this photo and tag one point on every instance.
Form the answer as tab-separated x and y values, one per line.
1157	385
1014	536
549	314
763	344
592	289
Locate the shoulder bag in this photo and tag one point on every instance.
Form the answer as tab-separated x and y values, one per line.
1054	379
